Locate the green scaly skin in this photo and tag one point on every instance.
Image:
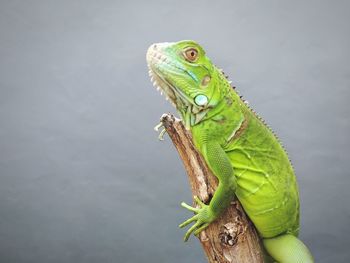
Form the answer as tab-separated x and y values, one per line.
239	148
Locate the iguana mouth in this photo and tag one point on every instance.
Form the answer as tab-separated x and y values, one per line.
172	93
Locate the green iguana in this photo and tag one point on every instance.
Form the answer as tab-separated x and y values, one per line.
241	151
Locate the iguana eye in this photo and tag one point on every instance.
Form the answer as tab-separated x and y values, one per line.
191	54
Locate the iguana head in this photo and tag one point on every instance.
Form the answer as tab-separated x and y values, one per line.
187	77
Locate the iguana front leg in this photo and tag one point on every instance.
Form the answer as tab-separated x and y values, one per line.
221	167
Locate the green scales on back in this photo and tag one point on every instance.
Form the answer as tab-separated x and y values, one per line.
242	152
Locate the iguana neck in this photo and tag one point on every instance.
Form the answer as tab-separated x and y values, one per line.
221	100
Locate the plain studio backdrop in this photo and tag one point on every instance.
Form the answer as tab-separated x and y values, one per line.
83	177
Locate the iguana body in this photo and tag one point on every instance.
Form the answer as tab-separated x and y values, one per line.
238	147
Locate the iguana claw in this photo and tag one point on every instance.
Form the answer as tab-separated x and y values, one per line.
203	217
162	132
158	126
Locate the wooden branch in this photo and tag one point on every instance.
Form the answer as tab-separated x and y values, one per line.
232	238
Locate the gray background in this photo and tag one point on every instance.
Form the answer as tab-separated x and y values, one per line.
82	175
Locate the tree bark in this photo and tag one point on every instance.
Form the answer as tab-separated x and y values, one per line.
231	238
